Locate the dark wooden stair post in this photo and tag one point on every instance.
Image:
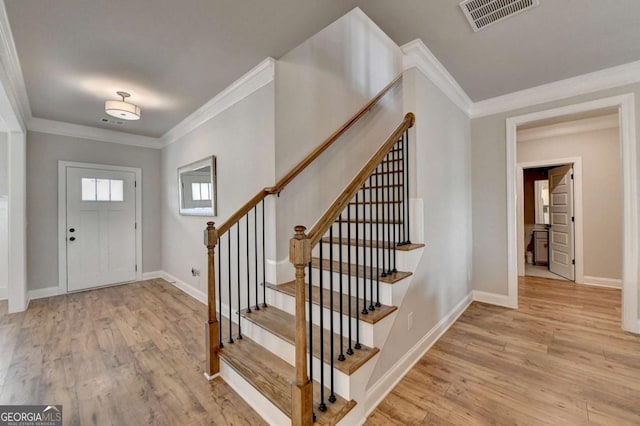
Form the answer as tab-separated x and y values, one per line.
301	388
212	330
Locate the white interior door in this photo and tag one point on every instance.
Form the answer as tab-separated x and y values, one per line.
562	231
101	222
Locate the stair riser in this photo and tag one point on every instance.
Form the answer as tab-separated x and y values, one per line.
380	254
287	304
385	289
286	351
384	210
365	231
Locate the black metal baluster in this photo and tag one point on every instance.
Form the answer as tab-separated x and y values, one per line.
311	322
364	251
229	282
238	263
341	356
220	291
322	406
388	205
248	269
371	219
332	397
264	279
401	182
407	201
349	349
255	252
357	346
378	191
393	209
381	204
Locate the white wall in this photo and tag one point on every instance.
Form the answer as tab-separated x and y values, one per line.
602	192
441	169
43	153
489	188
242	139
4	218
319	85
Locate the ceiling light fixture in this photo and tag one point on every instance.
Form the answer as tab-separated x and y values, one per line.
122	109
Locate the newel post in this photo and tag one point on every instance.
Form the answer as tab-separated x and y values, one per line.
301	388
212	328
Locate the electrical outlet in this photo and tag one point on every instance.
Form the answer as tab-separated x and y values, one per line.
410	321
195	272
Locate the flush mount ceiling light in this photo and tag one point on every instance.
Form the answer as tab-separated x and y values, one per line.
122	109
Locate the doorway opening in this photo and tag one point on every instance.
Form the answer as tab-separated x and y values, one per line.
99	227
623	109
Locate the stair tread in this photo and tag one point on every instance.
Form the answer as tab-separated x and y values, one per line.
362	271
386	221
367	243
283	324
272	377
371	318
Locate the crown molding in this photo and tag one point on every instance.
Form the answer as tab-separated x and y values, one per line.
12	77
259	76
561	89
569	128
93	133
417	55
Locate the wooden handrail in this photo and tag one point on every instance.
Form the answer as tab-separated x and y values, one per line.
284	181
321	227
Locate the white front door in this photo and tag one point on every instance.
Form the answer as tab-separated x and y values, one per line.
561	233
101	222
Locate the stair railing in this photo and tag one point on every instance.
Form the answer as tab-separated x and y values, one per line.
241	260
384	183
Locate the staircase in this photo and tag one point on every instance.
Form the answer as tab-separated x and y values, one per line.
302	352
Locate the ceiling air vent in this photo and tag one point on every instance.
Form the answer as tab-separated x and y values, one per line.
111	121
482	13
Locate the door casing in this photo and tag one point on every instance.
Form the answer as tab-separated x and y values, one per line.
62	215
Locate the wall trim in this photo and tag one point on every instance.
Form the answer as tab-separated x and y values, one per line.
379	390
199	295
561	89
62	215
259	76
569	128
603	282
153	275
494	299
578	210
630	271
14	78
41	293
94	133
418	55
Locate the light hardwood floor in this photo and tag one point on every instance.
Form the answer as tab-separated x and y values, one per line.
560	359
126	355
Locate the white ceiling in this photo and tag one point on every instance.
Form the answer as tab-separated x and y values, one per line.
173	56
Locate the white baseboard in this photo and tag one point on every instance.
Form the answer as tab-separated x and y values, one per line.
379	390
3	293
602	282
187	288
152	275
41	293
493	299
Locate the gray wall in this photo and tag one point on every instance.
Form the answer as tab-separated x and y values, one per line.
601	192
43	153
488	152
4	164
242	139
441	169
319	85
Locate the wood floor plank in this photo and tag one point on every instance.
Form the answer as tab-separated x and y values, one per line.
130	354
561	358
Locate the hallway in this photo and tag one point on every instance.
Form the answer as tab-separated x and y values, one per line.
561	358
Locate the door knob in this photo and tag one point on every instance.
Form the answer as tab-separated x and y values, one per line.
72	230
72	239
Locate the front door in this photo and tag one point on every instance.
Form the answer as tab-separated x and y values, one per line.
101	222
561	233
